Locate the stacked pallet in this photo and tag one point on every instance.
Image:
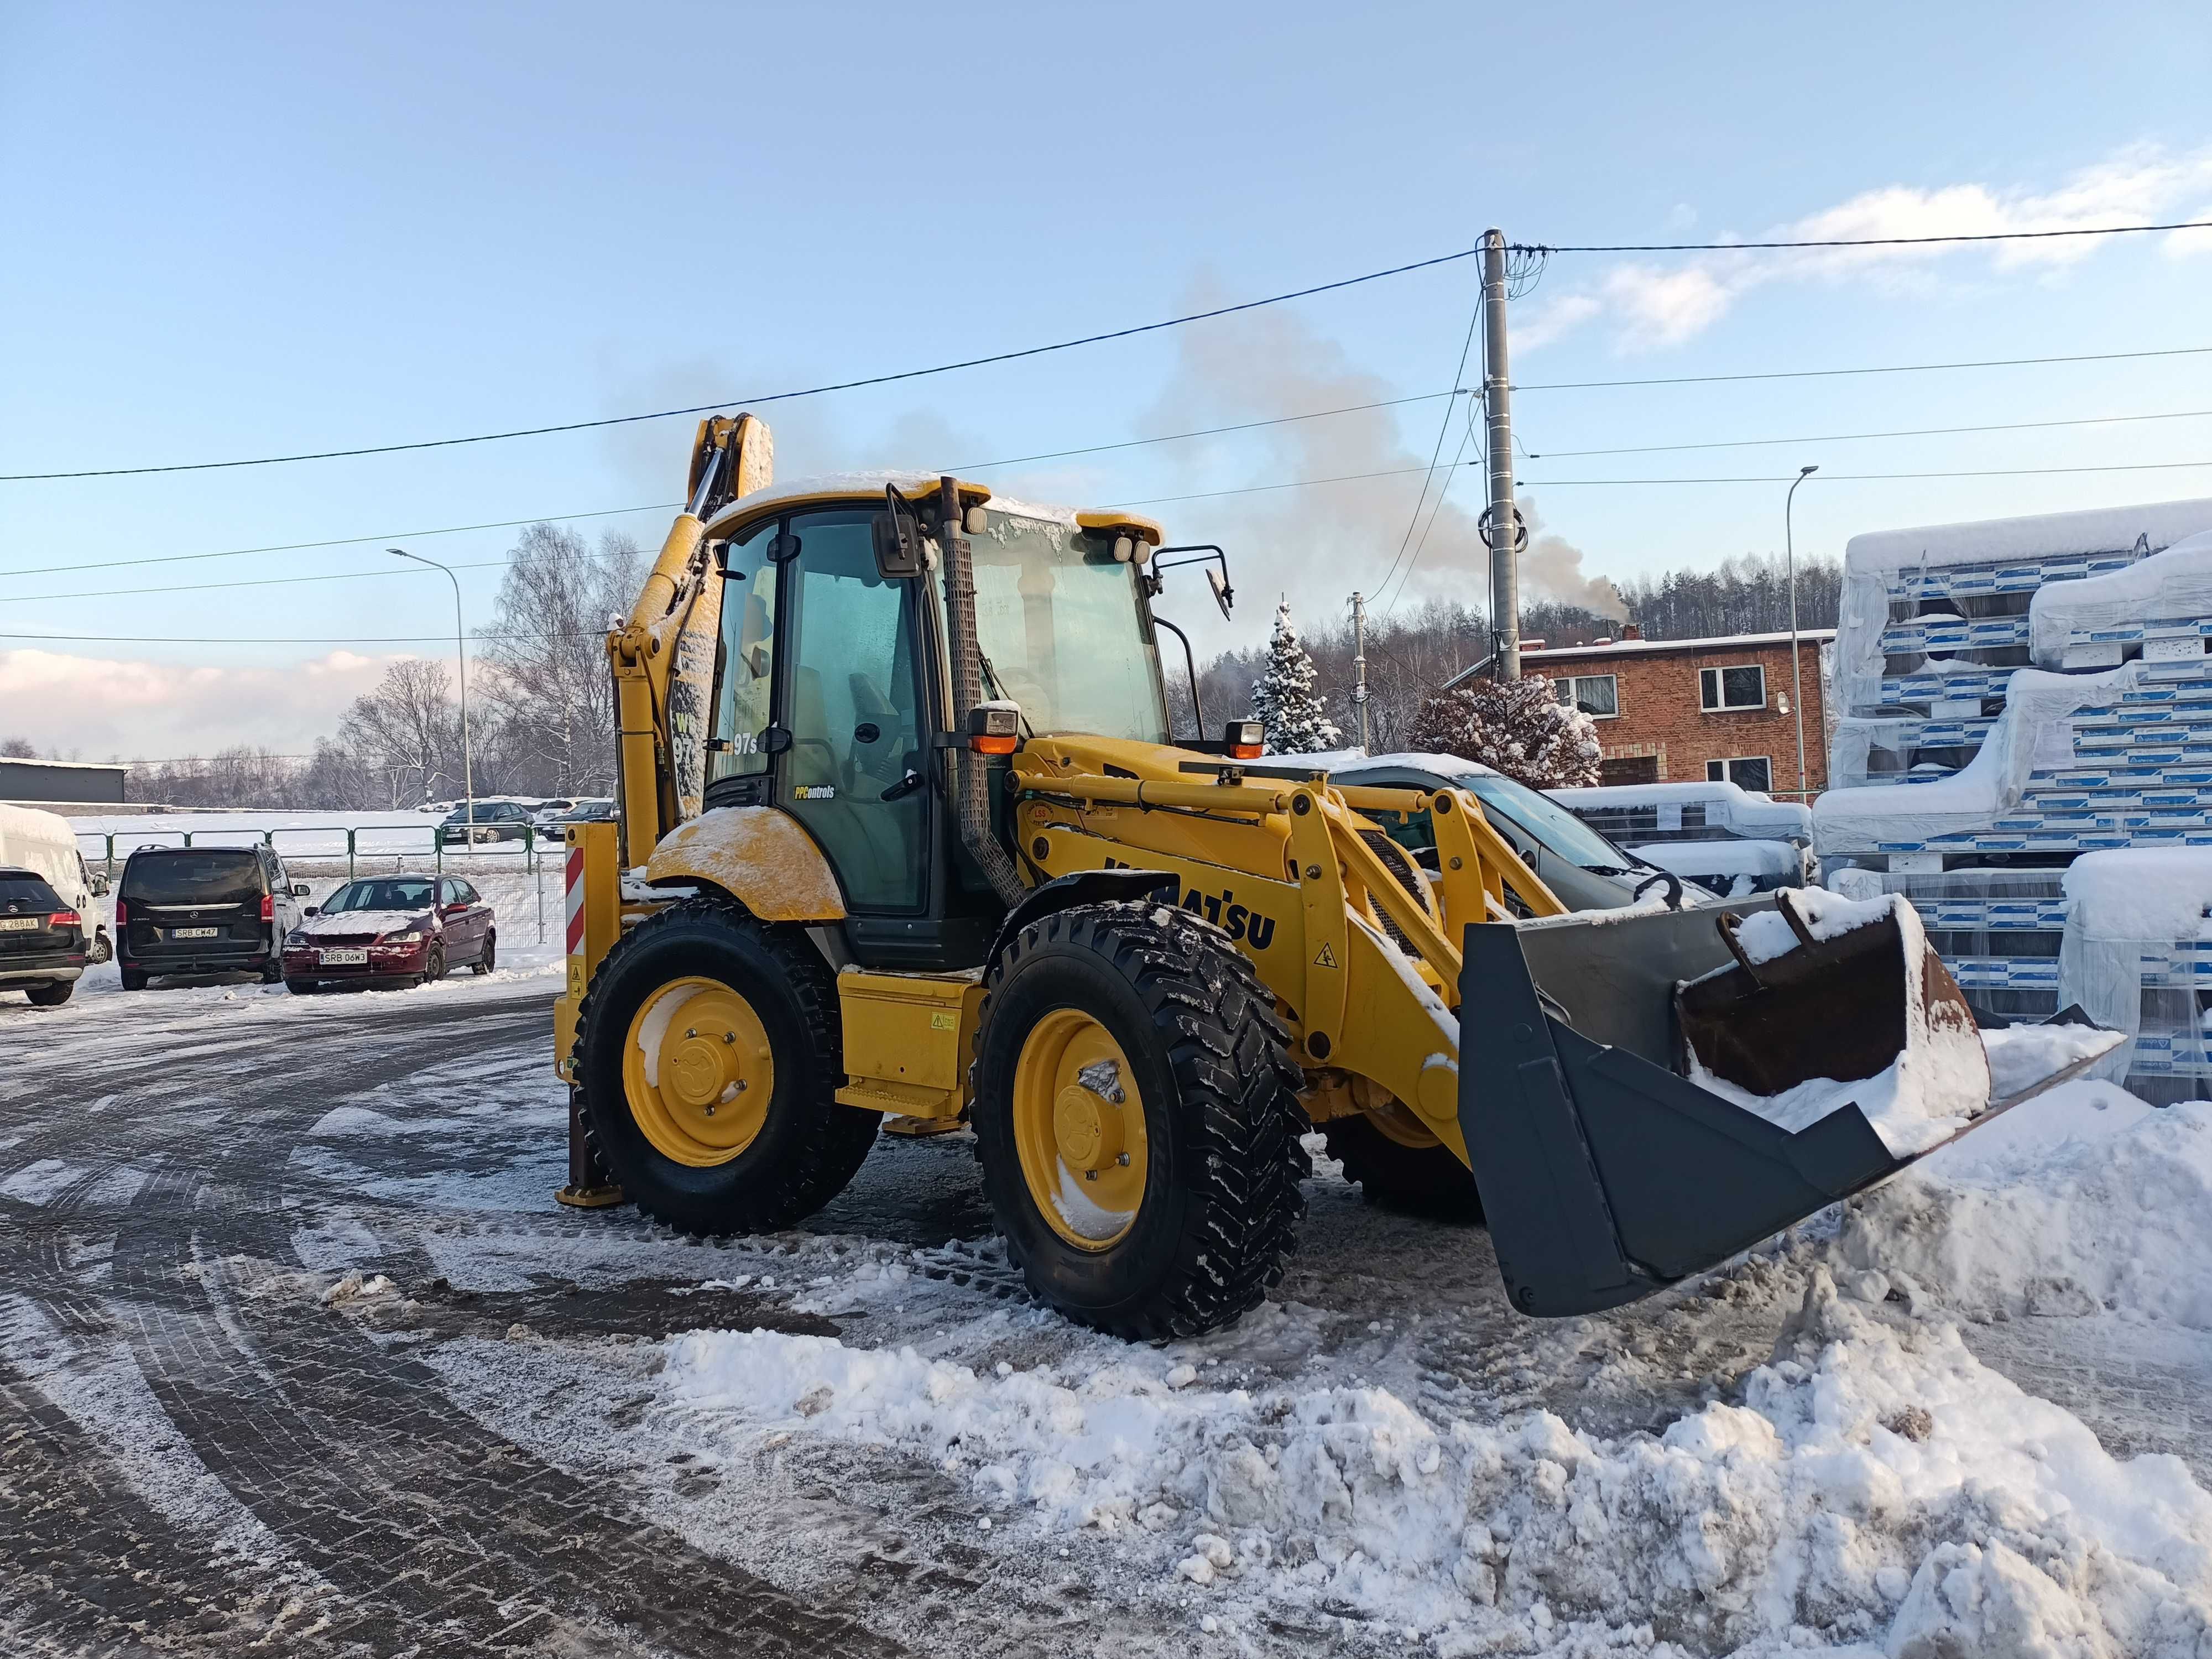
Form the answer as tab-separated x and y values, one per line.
2012	695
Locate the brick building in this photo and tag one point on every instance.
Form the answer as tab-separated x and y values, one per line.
1675	711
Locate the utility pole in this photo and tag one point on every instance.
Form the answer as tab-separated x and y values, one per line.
1502	523
1359	664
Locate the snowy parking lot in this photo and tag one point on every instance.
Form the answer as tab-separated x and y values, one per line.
295	1348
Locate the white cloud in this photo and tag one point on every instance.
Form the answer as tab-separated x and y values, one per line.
1653	305
101	707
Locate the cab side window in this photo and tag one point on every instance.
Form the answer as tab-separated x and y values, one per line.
745	670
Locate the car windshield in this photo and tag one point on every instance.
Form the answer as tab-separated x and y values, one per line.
1061	626
194	878
1548	821
386	893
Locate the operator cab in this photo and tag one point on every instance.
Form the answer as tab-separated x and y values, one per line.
831	682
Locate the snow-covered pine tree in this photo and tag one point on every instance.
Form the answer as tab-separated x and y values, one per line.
1283	697
1518	727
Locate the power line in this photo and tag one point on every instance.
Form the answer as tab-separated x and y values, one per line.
1436	453
756	399
1855	437
254	581
310	638
892	377
1887	369
1843	478
1547	248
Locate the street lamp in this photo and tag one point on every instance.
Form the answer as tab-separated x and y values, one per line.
1797	672
461	653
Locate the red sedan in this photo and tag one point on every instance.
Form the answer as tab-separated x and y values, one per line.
391	930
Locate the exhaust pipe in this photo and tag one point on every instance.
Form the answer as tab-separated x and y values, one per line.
974	783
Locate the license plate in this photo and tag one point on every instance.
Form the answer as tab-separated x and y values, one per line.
19	924
341	958
194	932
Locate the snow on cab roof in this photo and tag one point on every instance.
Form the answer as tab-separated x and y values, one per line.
2042	535
873	483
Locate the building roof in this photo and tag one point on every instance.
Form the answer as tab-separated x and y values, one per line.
1570	653
82	766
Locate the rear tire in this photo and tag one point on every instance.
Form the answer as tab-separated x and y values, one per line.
805	1146
1424	1181
489	959
1217	1119
134	979
50	996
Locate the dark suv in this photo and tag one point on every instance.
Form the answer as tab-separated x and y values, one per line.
495	820
204	910
41	939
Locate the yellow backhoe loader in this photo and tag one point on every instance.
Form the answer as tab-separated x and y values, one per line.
904	831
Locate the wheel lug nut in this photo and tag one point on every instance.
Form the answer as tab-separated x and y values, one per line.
1123	1160
729	1036
690	1032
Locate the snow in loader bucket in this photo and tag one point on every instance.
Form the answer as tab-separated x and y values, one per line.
1646	1094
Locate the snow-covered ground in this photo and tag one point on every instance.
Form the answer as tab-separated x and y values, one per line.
1825	1447
1807	1454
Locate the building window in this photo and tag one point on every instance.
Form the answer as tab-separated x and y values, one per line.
1732	688
1596	695
1753	772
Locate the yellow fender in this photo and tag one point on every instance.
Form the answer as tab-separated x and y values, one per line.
761	857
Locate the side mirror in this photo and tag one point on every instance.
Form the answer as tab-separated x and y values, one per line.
312	910
298	889
1224	595
898	541
100	886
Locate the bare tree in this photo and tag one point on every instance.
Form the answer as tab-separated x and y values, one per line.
410	728
546	657
18	749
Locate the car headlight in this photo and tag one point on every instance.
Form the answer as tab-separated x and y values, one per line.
410	937
295	940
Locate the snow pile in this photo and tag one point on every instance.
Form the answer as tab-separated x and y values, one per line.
2175	585
2119	1220
350	922
1873	1483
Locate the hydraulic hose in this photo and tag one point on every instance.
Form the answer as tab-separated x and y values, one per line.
974	785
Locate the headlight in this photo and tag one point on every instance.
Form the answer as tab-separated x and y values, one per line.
410	937
295	940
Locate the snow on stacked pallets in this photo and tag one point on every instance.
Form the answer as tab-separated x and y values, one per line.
2041	688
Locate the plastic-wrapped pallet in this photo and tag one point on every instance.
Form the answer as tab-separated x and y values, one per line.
2137	957
1998	930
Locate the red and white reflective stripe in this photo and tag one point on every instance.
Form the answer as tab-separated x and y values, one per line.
575	901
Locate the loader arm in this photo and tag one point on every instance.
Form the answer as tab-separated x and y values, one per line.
662	654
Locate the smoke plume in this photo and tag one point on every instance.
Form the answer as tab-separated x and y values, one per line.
1553	564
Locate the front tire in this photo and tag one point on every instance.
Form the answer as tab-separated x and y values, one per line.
434	965
709	1053
299	988
1167	1212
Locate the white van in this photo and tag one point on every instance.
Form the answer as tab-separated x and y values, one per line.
43	841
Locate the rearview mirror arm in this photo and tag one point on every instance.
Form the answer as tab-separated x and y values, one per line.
1207	553
1198	706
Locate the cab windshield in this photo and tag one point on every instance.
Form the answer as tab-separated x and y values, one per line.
1062	628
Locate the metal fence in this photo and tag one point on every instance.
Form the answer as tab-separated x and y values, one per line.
527	853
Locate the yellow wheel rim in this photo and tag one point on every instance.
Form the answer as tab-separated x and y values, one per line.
1398	1124
697	1072
1079	1130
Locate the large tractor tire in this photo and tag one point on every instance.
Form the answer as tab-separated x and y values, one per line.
708	1052
1402	1166
1136	1118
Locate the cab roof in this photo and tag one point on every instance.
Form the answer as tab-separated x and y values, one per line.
824	488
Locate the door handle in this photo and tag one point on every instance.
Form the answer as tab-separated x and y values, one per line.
905	786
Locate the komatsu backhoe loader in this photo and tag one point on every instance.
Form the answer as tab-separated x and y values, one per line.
904	831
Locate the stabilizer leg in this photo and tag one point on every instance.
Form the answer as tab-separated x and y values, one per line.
590	1187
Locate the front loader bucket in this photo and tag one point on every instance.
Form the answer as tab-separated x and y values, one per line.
1606	1174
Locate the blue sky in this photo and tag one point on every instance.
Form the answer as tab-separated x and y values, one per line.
245	230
